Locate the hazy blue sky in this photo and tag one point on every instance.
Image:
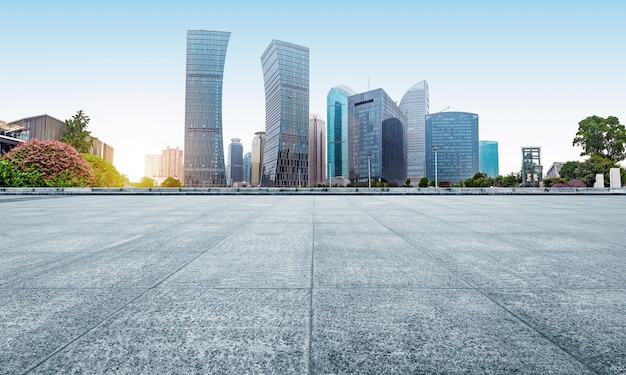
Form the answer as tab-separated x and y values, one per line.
530	69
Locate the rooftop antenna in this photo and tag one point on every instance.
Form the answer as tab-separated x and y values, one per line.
448	107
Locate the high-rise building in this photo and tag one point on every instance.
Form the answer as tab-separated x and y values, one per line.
152	166
337	135
317	150
453	136
247	167
376	135
235	162
415	105
258	148
286	76
488	154
204	147
172	163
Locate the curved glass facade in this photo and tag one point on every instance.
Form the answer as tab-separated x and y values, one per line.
415	106
286	76
337	135
376	127
204	146
456	135
488	158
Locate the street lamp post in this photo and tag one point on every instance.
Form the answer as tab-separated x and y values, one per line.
369	171
435	148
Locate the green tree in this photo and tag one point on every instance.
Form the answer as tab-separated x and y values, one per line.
171	182
512	180
105	173
603	136
76	133
146	182
479	179
568	170
423	182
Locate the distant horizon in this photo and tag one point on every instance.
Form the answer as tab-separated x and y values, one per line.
530	71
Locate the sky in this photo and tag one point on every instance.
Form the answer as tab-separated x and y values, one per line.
530	69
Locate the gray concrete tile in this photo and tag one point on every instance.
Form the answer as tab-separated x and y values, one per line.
34	323
197	331
380	267
589	324
136	264
522	269
401	331
279	268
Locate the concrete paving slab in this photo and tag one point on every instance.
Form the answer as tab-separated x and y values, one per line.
193	330
35	323
590	323
403	331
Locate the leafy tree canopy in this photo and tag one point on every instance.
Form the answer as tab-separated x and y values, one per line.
105	173
586	171
146	182
423	182
171	182
76	133
602	136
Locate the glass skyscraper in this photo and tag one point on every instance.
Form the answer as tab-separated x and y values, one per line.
286	75
488	163
415	105
235	161
455	136
376	130
337	135
204	146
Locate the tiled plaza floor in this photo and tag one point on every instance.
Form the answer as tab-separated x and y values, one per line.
313	284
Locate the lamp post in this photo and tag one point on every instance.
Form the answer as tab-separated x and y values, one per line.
369	171
435	148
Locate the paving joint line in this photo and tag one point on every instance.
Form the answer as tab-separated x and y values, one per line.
311	286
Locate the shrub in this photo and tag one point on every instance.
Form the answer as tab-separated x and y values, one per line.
559	185
171	182
105	174
576	183
48	163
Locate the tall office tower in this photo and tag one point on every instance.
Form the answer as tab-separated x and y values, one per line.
414	105
172	163
286	75
235	161
376	135
152	166
258	148
453	138
204	146
247	167
488	158
337	144
317	150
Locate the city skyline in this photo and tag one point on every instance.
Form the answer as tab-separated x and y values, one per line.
531	71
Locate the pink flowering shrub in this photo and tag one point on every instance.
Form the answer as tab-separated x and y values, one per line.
576	184
49	163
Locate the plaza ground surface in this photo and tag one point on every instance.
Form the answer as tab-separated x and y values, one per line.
313	284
